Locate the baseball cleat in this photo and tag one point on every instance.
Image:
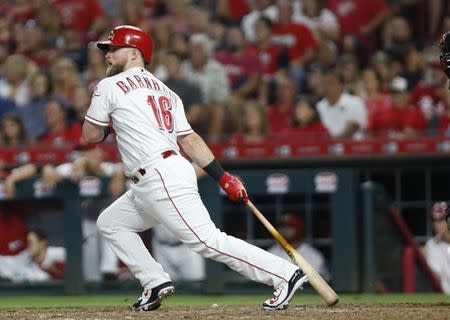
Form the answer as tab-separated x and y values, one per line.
284	294
151	299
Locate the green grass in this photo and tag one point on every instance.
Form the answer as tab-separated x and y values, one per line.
191	300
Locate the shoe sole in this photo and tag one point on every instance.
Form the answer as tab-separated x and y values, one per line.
162	294
284	305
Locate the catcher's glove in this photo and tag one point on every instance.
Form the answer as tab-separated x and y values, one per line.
444	44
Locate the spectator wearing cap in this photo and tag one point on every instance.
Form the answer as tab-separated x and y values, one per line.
437	249
293	230
344	115
402	119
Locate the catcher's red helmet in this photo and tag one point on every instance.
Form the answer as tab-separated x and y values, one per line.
129	36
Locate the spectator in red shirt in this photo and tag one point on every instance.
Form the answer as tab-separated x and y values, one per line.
241	63
233	10
85	16
305	123
280	114
359	18
297	39
430	93
376	102
269	54
59	132
402	119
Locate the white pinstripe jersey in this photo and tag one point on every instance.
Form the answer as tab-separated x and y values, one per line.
146	115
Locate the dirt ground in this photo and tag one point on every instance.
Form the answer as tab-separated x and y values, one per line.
374	311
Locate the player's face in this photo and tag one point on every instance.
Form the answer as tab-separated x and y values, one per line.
116	58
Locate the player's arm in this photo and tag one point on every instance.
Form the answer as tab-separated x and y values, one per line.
93	133
195	147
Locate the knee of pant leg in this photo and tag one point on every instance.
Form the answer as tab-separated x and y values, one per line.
206	244
103	223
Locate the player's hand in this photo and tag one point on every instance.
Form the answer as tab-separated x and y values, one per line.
234	187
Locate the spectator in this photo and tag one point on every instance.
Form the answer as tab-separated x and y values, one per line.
269	54
177	15
293	230
198	21
73	48
297	39
259	8
14	86
32	45
189	92
315	82
241	64
95	69
14	134
132	12
92	23
398	37
178	261
305	123
377	103
77	111
280	114
32	114
252	121
59	132
323	23
344	115
402	119
232	10
430	93
360	18
48	19
64	77
349	67
50	259
179	43
437	250
210	76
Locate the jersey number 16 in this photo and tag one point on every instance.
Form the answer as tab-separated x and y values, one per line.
162	112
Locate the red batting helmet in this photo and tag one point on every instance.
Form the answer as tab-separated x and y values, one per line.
129	36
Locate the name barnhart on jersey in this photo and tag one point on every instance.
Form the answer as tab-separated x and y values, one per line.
140	82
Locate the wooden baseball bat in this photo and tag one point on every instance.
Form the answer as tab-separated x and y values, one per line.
318	283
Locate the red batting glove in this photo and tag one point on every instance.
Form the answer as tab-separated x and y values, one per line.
234	187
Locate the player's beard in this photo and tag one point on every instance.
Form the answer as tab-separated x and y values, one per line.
112	70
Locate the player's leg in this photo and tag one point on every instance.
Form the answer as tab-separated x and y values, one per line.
170	191
119	224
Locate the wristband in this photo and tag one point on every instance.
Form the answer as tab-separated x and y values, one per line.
214	169
106	132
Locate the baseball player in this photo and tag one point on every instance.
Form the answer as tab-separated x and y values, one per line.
149	121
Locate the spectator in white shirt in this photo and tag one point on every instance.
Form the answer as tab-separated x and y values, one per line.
344	115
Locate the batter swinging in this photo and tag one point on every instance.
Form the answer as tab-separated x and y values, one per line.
149	121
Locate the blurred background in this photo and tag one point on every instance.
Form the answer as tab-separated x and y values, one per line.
334	112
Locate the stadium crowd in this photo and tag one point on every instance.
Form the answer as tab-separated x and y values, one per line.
245	70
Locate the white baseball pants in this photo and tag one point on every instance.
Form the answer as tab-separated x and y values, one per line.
168	194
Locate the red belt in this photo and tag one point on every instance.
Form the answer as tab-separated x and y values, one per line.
142	171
